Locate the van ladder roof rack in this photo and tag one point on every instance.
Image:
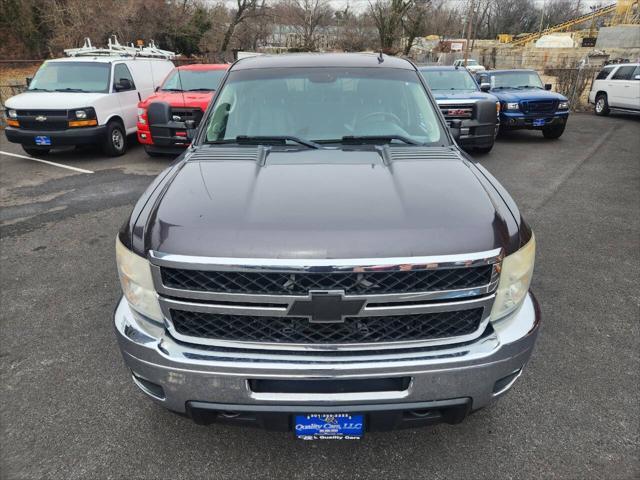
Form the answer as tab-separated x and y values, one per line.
114	48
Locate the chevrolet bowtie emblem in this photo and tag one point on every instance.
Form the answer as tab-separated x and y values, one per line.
40	118
325	306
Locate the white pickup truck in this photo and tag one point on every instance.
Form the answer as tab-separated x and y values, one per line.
472	65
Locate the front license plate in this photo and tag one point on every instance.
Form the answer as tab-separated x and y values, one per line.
43	140
538	122
335	426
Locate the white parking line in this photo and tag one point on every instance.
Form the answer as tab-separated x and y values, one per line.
76	169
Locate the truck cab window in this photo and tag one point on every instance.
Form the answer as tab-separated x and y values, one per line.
122	79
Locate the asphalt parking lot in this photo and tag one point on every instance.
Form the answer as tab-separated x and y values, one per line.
69	410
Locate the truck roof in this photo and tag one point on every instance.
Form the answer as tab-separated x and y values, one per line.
204	66
102	59
439	68
510	70
309	60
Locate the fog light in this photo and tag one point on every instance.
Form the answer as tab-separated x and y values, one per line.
143	135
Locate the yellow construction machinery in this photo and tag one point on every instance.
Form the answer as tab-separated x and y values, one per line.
624	11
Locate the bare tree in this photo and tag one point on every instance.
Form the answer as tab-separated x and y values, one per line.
414	23
253	33
244	9
307	17
388	15
355	32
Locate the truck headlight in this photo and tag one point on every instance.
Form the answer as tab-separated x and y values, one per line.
81	114
141	115
136	281
563	106
515	277
12	114
512	106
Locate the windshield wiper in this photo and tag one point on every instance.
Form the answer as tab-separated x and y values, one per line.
267	140
68	89
360	139
278	139
172	90
527	86
35	89
201	90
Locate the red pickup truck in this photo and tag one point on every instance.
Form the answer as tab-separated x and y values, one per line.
188	90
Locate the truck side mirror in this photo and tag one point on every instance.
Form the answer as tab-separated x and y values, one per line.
123	84
28	80
547	86
485	86
455	126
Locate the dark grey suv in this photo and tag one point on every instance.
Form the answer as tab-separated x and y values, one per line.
324	258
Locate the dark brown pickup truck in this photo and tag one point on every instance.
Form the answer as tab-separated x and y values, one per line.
324	259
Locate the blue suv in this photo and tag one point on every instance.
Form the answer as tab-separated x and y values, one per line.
526	103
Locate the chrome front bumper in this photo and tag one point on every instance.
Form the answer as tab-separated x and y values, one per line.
221	376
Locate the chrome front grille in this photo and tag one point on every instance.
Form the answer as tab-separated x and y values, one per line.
326	304
362	283
298	330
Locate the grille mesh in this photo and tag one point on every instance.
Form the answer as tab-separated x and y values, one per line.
457	111
273	283
424	326
194	114
539	106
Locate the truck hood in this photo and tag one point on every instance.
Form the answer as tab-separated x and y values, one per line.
325	204
515	95
465	95
53	100
181	99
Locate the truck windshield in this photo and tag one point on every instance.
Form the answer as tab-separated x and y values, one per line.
325	105
71	77
449	80
193	80
516	80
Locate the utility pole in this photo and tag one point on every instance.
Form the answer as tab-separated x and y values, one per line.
544	6
469	25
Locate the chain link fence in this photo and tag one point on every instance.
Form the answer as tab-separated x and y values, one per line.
574	83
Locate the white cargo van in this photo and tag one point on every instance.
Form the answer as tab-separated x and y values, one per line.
90	97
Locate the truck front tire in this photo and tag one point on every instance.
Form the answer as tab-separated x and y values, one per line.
484	150
553	131
115	143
